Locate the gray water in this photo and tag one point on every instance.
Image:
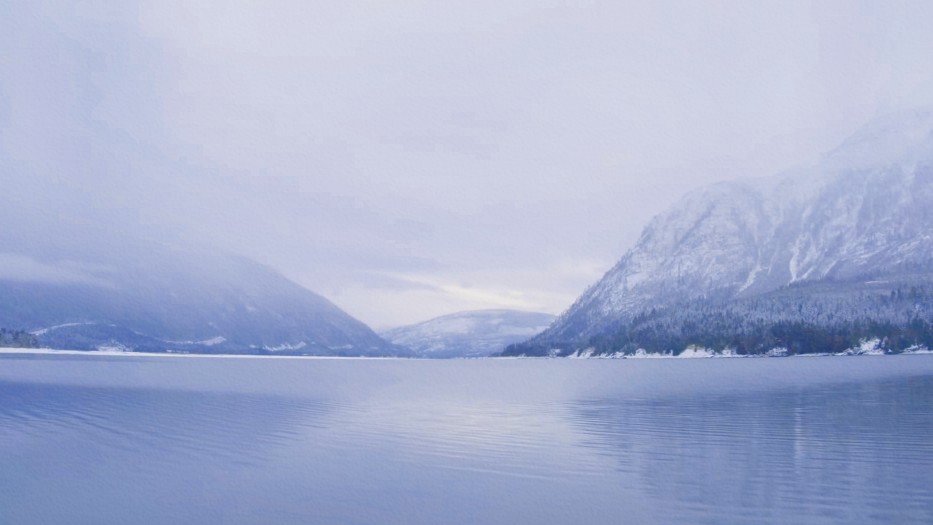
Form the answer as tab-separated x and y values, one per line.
101	440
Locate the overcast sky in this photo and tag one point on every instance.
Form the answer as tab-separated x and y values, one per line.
408	159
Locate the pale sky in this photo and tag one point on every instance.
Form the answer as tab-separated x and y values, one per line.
410	159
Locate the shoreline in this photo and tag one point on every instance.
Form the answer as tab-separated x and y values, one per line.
112	353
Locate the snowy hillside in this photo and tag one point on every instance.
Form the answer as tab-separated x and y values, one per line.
469	334
156	298
865	212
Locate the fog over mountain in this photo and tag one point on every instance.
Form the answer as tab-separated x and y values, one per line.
836	246
412	159
175	298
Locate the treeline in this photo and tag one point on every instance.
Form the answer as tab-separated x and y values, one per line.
17	339
803	319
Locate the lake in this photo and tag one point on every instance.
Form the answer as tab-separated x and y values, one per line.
188	440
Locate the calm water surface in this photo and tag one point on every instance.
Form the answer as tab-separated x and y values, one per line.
116	440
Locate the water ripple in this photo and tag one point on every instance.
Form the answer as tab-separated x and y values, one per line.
473	442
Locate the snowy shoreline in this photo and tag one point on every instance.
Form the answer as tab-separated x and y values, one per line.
866	347
109	353
689	353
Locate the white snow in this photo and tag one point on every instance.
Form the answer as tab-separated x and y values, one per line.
285	347
792	265
112	348
44	331
641	353
692	352
855	209
728	352
870	347
583	354
865	347
750	280
213	341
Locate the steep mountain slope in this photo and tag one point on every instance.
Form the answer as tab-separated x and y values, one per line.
469	334
864	213
173	299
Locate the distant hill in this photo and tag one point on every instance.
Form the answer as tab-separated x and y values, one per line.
156	298
469	334
816	259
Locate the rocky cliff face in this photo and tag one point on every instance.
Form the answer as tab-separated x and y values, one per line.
864	211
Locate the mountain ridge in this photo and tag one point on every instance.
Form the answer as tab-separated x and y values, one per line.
862	210
150	297
472	333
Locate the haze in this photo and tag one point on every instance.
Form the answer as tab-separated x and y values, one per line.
411	159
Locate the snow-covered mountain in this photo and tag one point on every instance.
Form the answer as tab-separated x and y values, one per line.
148	297
863	213
469	334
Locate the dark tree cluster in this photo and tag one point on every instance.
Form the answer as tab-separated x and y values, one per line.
17	339
825	317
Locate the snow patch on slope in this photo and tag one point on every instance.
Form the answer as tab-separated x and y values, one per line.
863	208
44	331
286	347
213	341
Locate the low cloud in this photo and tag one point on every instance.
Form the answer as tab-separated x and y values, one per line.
21	268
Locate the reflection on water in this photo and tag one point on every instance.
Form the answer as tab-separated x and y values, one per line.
162	440
849	453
